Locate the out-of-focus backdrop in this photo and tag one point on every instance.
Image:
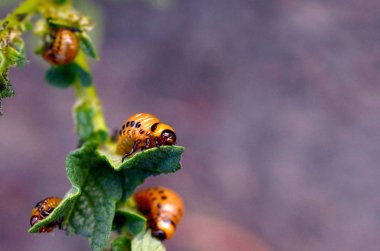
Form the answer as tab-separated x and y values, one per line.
277	103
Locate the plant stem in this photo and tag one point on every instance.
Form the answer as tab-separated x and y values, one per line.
15	22
88	95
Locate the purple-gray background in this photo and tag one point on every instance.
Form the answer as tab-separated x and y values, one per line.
276	101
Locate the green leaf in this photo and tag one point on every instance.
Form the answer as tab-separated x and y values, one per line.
121	244
19	45
93	212
87	45
61	76
60	23
146	242
129	220
15	55
6	89
157	159
83	76
151	162
88	208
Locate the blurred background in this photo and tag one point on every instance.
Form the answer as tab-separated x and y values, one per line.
277	103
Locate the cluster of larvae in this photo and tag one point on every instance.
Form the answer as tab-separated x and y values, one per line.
162	206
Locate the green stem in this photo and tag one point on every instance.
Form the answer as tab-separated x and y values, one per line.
88	95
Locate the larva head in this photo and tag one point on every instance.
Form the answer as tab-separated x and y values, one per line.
164	230
164	133
36	217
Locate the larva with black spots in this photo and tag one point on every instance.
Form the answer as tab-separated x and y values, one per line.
163	208
143	131
63	49
42	210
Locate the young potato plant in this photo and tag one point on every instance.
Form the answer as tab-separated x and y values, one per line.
98	203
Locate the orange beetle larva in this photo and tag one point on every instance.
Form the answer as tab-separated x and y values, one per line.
163	208
42	210
63	49
143	131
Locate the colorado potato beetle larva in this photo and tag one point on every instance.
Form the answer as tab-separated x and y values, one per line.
163	208
42	210
143	131
63	49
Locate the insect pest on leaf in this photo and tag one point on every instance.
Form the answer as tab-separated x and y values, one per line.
101	186
63	49
143	131
42	210
163	208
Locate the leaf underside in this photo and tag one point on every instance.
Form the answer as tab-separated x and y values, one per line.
128	220
99	181
141	242
87	46
144	241
63	76
121	243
